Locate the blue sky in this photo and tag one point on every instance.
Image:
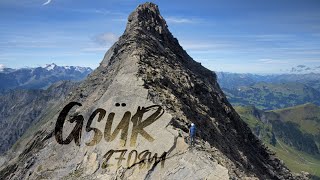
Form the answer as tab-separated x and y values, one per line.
254	36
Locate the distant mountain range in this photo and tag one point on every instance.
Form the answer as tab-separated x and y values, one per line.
40	77
269	92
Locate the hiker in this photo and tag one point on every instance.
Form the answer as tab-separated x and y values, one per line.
192	132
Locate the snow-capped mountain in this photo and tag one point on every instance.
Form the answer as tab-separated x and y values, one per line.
40	77
53	67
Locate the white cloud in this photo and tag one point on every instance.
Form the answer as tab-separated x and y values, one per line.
178	20
204	46
92	11
106	38
46	3
266	61
120	20
273	37
95	49
272	61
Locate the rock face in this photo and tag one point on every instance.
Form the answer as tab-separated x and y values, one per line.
129	120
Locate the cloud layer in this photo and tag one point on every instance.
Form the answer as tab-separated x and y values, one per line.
46	3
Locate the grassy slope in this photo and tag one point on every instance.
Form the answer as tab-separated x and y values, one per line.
296	161
306	115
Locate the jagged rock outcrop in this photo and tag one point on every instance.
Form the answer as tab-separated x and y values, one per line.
149	87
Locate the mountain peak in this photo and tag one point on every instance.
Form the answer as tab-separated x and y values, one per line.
147	17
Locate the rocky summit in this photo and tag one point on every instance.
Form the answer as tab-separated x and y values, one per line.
130	119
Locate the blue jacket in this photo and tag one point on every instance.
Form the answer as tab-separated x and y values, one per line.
192	130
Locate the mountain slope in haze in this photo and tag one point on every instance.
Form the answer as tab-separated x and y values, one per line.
269	92
140	100
293	133
268	96
235	80
310	79
20	109
40	77
231	81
